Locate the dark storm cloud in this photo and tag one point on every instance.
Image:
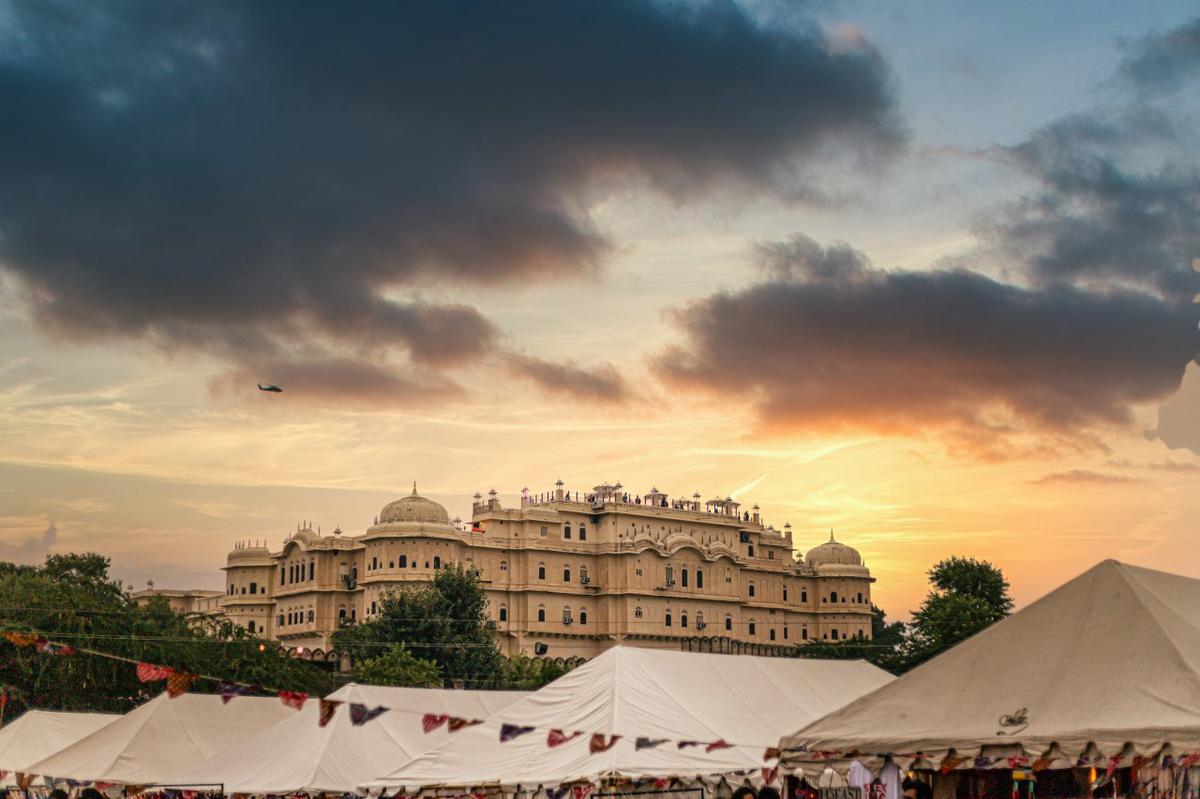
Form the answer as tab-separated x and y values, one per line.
829	341
1162	62
350	382
600	383
233	175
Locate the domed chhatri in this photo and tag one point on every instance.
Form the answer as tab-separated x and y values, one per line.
833	553
414	508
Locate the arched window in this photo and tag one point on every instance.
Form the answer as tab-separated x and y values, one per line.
566	614
341	614
437	562
583	574
683	577
833	596
566	531
354	574
804	633
279	621
254	588
785	593
833	634
785	629
699	578
637	612
583	615
804	596
858	599
752	627
566	574
373	608
353	614
683	618
667	619
312	569
771	633
582	533
541	571
751	589
403	561
243	589
310	615
282	576
751	550
728	622
503	613
250	625
541	613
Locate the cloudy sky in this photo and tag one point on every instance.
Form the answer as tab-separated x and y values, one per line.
921	273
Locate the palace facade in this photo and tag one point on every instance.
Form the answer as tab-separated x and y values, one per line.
566	575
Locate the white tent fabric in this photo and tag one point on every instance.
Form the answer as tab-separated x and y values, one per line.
147	744
677	696
38	734
298	755
1105	666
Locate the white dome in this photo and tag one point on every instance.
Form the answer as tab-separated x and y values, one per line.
414	508
833	553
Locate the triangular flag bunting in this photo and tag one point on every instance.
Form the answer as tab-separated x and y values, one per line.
686	744
51	648
772	753
293	699
648	743
328	707
431	721
715	745
3	775
24	780
148	672
457	724
510	731
769	775
558	737
231	689
361	714
556	793
21	639
582	791
661	783
598	743
179	682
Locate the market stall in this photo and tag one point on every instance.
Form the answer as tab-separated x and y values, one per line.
36	735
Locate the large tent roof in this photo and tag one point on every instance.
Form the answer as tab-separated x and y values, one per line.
145	746
1110	658
298	755
40	733
748	701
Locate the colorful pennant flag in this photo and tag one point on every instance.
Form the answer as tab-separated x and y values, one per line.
148	672
771	753
3	775
662	783
179	682
983	762
950	762
293	699
558	737
431	721
231	689
581	791
686	744
510	731
326	711
24	780
457	724
21	639
51	648
715	745
557	792
648	743
1042	763
598	743
361	714
770	774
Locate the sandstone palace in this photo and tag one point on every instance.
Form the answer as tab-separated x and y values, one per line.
566	575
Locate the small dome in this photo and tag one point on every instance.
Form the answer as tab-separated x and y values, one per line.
414	508
834	553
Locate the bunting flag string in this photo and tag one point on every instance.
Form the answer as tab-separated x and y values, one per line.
769	775
179	682
361	714
325	713
3	775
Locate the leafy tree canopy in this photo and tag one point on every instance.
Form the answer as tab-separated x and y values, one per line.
969	595
398	666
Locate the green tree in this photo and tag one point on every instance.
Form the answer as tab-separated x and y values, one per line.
968	596
72	600
525	673
885	634
444	620
398	666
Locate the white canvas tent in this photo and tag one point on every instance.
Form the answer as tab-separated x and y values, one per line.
634	693
1107	665
147	744
37	734
298	755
